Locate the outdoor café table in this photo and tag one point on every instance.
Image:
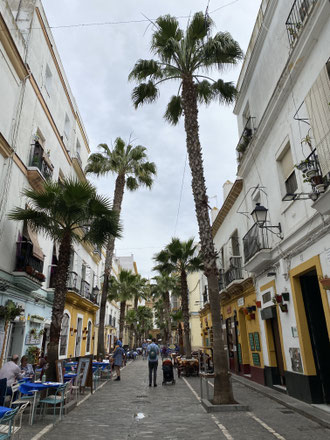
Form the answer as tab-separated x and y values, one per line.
36	387
103	365
3	410
69	376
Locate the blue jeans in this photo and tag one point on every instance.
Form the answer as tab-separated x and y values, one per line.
153	365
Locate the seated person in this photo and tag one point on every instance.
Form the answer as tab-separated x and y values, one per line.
27	369
12	372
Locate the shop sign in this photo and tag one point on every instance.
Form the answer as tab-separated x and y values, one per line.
240	302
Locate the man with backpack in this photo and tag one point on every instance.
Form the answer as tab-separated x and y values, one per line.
153	352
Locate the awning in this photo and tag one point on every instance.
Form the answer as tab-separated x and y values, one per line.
37	251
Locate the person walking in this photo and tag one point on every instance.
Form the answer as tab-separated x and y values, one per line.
144	349
153	352
118	355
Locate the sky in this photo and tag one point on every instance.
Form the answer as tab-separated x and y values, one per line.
97	60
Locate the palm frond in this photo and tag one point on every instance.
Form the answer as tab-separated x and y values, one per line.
221	50
132	183
174	110
144	93
199	27
167	30
145	69
225	91
205	92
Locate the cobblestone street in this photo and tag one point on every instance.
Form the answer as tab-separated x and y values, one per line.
174	412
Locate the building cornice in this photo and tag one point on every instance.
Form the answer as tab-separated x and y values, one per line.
227	205
5	148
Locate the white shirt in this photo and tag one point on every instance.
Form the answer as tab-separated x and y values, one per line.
11	371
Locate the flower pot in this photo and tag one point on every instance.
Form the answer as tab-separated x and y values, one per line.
320	188
253	316
325	283
286	296
311	172
284	308
279	299
258	303
246	311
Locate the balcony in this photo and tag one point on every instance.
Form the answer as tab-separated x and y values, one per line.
299	13
246	137
74	284
40	168
234	272
28	272
257	251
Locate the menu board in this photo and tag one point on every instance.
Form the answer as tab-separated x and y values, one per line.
257	341
59	371
85	370
256	359
251	339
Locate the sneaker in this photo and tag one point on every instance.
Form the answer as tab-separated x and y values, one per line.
155	384
118	378
149	384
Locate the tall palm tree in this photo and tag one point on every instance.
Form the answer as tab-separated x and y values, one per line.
122	290
131	321
67	212
130	165
165	283
181	258
189	57
144	321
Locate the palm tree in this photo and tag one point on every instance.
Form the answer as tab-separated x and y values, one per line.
144	321
189	57
181	257
165	283
177	317
67	212
133	170
122	290
131	321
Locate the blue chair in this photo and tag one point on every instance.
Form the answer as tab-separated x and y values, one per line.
7	422
97	376
56	399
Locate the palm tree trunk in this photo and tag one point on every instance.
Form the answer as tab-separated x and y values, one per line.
180	336
117	201
122	319
223	393
167	304
60	292
4	343
185	313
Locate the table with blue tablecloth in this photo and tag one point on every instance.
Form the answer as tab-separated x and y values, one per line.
3	410
69	376
34	388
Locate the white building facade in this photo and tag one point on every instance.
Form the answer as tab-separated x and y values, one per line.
275	302
41	136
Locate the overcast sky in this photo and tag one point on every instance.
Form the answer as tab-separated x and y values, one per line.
97	60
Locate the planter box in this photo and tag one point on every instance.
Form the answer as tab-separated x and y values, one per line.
210	408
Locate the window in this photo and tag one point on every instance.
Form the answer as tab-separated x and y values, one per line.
67	126
64	334
78	151
287	171
89	336
235	244
48	80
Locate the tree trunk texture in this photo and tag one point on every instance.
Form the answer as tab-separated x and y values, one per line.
122	320
167	304
117	202
222	387
60	292
180	334
185	313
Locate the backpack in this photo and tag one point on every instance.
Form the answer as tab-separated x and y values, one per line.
153	354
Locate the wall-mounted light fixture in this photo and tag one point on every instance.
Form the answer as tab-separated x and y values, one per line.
259	215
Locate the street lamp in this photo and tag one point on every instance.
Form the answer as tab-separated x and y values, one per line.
259	215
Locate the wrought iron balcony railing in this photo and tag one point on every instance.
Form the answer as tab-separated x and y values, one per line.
298	15
254	241
246	137
235	270
26	260
40	161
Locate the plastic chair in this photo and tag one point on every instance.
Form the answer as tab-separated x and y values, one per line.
29	399
6	423
4	429
97	376
76	387
54	400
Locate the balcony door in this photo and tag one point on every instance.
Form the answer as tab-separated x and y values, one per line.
78	337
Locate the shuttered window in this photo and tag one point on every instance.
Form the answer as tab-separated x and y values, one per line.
317	103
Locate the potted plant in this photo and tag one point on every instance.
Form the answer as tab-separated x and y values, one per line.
278	299
284	308
258	304
325	281
286	296
253	315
